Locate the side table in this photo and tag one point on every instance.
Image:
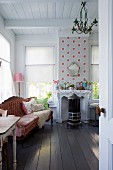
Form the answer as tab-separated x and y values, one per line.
53	108
93	106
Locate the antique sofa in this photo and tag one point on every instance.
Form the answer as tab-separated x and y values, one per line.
27	122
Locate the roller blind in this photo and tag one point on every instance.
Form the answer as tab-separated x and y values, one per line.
95	54
39	55
4	48
95	64
95	73
39	73
39	64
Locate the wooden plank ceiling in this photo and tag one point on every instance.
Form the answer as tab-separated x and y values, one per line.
43	16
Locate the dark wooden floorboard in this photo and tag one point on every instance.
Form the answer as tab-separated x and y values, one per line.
59	148
67	157
22	158
93	131
91	141
56	157
78	155
44	156
87	151
33	157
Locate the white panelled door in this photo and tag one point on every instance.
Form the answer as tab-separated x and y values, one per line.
106	84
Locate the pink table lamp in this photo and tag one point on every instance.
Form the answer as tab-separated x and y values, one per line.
18	77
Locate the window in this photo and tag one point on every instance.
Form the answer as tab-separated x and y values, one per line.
39	71
95	71
6	83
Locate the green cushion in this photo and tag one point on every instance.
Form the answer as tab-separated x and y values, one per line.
43	101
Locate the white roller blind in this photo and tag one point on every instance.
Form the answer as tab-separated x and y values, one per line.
95	73
39	64
4	48
39	73
95	64
95	54
39	55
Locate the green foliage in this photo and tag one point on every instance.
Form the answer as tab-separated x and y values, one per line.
71	85
96	91
39	90
49	94
66	85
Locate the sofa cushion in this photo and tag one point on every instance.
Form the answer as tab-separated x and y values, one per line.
43	101
27	106
26	120
37	107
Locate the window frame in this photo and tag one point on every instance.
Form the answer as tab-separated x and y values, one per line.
92	44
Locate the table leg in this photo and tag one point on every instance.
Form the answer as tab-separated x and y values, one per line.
1	154
95	118
14	149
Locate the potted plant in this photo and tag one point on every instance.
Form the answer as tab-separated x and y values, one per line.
71	87
64	86
89	85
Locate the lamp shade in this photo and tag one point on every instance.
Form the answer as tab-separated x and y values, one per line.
18	77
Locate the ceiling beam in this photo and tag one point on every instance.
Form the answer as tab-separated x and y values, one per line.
37	23
21	1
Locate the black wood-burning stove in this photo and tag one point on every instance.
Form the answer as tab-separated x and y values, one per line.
74	117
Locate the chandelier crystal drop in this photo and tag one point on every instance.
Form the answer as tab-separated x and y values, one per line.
81	26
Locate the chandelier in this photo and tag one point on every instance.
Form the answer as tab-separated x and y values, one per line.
81	26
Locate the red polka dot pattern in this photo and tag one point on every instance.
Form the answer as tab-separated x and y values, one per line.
78	75
73	49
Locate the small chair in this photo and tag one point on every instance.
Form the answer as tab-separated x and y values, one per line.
3	113
5	154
